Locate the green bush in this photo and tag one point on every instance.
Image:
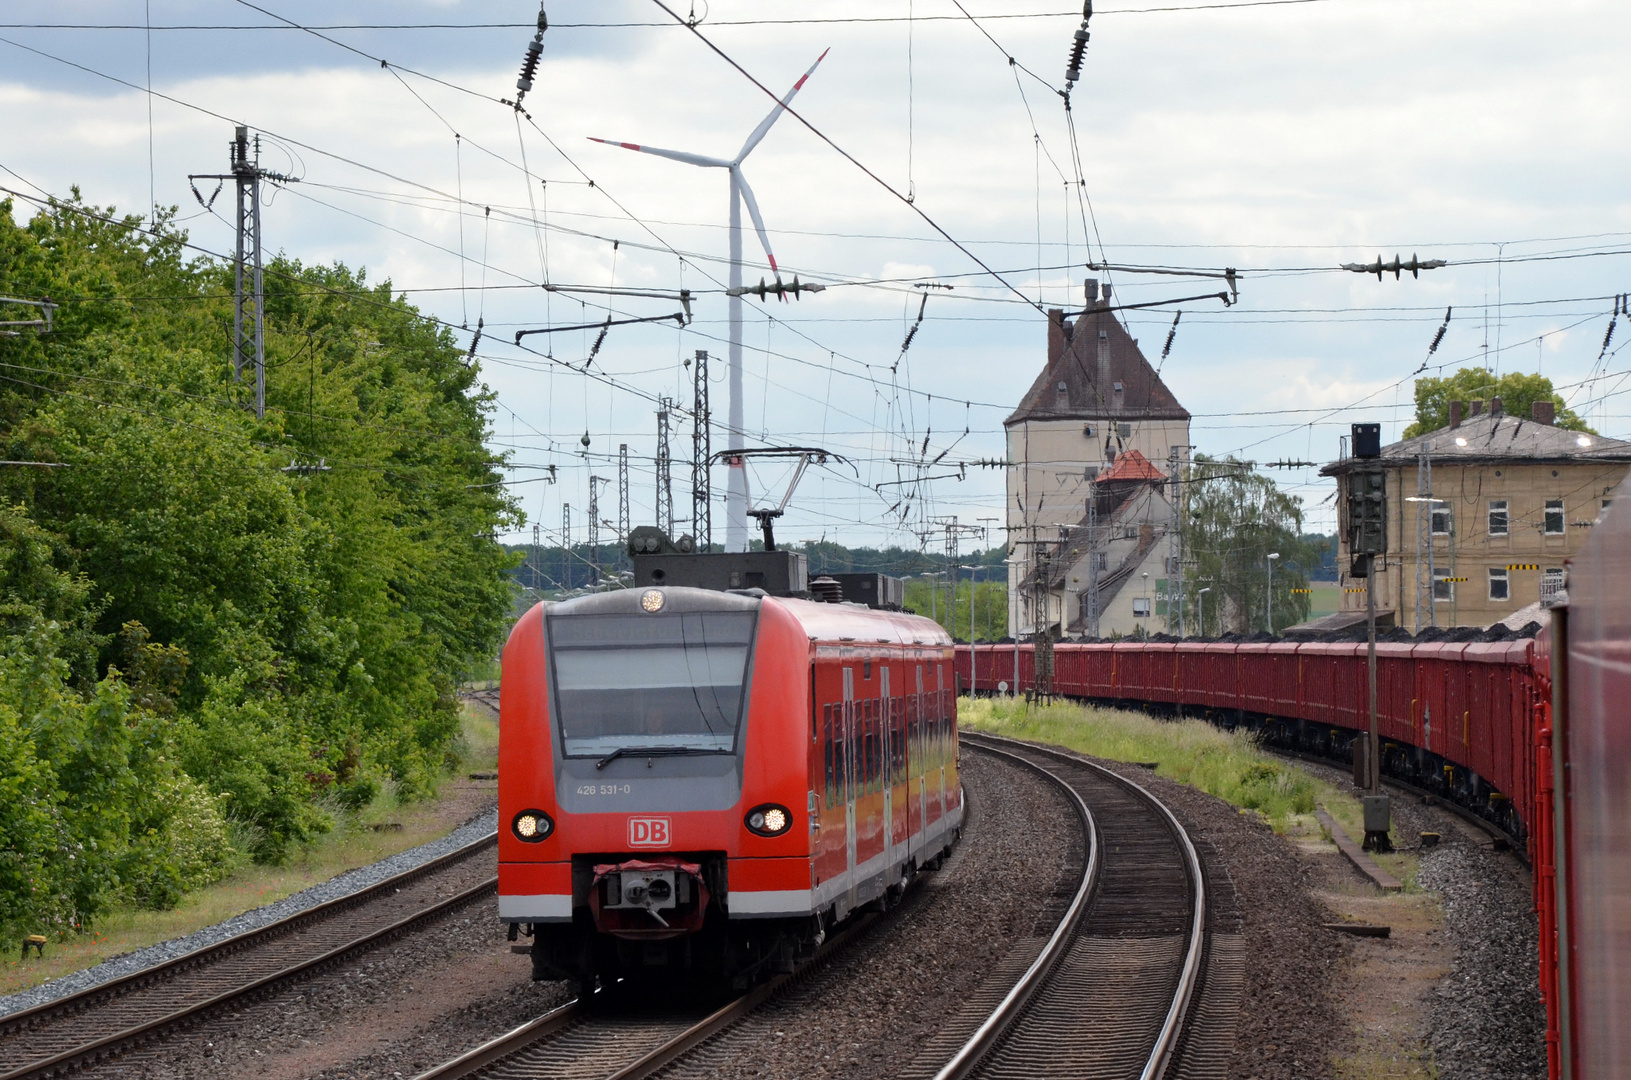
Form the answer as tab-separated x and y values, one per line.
1226	764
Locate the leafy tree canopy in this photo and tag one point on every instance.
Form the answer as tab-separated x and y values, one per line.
1516	390
1236	519
272	615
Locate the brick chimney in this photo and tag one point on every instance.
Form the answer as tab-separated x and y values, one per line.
1090	291
1056	336
1477	408
1495	406
1543	412
1104	362
1455	414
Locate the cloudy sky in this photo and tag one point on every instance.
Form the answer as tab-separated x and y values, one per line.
1279	138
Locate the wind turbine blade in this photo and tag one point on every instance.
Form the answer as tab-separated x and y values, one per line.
672	155
780	107
758	222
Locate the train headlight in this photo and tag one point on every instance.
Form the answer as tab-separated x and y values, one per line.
771	819
531	826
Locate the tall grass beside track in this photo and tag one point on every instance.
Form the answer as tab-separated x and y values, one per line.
1226	764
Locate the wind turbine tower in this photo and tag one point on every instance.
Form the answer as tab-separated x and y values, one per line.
736	504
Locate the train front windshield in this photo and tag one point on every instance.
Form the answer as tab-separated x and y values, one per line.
671	683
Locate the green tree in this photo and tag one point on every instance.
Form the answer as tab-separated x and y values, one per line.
990	606
1516	390
309	588
1236	519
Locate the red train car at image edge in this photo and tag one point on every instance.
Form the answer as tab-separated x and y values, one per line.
704	782
1534	734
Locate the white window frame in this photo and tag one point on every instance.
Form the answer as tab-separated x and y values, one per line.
1502	507
1498	576
1546	518
1141	607
1443	588
1551	583
1433	511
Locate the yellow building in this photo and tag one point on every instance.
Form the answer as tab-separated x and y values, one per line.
1096	398
1482	516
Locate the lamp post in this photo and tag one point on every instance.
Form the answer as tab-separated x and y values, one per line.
929	576
1146	626
1270	612
1200	609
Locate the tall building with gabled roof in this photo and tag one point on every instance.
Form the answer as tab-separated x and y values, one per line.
1096	398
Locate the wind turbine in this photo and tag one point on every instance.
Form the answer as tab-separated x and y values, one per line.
736	504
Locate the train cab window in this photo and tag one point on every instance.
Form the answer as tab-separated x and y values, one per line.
672	682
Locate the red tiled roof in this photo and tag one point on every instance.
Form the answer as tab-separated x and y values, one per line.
1131	465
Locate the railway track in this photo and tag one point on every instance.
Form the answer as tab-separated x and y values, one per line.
1109	993
586	1038
1135	923
106	1021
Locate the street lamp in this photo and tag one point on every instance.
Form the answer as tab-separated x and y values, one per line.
929	576
1200	608
1146	627
1270	612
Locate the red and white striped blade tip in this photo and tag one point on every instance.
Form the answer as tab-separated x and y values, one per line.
614	142
800	84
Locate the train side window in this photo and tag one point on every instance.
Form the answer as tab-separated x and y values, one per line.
826	750
901	757
864	780
874	736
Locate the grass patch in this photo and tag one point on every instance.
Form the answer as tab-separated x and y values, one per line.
354	842
1226	764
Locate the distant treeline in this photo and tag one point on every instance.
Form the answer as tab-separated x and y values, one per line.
554	569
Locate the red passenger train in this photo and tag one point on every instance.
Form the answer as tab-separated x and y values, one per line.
704	781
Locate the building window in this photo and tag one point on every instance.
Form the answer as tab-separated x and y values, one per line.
1141	607
1443	587
1554	517
1551	583
1442	519
1124	431
1497	517
1499	588
1604	508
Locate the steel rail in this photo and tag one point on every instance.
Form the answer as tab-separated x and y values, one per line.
502	1046
20	1022
1172	1025
1036	975
654	1060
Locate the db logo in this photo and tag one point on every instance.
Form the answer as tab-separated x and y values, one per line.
648	832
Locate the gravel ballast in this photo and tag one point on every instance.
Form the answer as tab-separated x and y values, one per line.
433	994
1488	1020
341	885
1286	1013
868	1012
